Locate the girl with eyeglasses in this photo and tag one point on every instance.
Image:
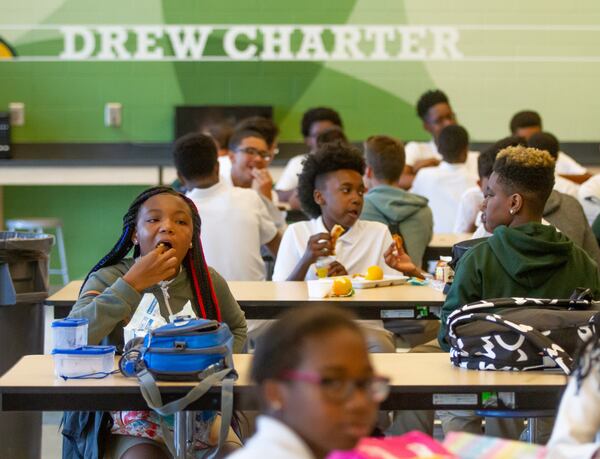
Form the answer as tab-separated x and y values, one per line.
317	389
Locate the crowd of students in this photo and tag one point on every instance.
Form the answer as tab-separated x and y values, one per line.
318	390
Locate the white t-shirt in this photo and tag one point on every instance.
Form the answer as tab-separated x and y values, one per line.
273	439
565	165
235	223
224	166
578	420
417	151
289	176
589	197
566	186
444	186
468	210
363	245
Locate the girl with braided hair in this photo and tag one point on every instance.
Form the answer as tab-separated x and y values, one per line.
163	228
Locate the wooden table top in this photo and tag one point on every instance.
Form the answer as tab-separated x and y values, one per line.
31	384
441	240
263	300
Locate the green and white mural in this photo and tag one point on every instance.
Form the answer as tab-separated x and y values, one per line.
370	59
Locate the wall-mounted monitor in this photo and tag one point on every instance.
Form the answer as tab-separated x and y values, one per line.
194	118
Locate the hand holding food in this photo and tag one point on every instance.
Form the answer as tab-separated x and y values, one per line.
336	269
158	265
262	182
399	260
318	245
336	232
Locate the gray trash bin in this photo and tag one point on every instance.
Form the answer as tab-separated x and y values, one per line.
23	289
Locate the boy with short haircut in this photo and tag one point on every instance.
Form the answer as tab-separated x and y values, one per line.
235	221
444	185
547	142
404	213
528	122
250	157
314	122
561	210
436	113
523	258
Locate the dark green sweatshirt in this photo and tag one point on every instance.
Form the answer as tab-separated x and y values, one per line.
531	260
394	206
110	310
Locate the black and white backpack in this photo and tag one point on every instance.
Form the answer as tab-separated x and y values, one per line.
521	333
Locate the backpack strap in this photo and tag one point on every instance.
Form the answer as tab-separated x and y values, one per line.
552	350
151	394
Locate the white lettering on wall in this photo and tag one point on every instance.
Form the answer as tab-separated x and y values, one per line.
230	46
70	35
188	41
112	43
146	43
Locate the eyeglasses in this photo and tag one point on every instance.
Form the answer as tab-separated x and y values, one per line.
264	154
340	390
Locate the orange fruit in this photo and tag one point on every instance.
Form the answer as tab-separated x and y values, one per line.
374	273
341	286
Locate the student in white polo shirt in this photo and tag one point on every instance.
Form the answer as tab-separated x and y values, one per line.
235	221
445	184
331	191
314	122
527	123
250	157
434	109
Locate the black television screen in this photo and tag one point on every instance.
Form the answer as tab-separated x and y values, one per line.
194	118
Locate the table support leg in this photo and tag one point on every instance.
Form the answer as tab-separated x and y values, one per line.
183	432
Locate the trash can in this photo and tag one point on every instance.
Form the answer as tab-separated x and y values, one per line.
23	289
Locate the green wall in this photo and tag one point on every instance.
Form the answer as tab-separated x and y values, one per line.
65	100
91	217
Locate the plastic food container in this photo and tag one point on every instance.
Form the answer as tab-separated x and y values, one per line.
85	361
70	333
319	288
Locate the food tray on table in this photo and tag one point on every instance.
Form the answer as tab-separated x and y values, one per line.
360	282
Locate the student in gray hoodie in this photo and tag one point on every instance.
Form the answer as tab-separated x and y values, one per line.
404	213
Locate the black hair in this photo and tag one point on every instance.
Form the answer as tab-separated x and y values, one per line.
330	135
238	137
264	126
220	132
206	301
453	142
195	155
527	171
428	100
330	157
319	114
385	156
545	141
485	161
280	348
525	119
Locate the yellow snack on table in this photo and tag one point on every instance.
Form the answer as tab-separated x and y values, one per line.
374	273
342	286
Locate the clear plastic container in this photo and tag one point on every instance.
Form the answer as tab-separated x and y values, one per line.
70	333
85	361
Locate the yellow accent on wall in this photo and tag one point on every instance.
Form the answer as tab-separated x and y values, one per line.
5	52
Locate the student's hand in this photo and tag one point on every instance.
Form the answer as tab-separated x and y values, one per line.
318	245
399	260
156	266
262	182
430	162
336	269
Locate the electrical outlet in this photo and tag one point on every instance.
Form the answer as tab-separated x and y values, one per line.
113	114
17	113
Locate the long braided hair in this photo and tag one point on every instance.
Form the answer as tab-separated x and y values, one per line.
206	304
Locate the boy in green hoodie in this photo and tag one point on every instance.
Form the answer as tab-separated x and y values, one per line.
523	257
404	213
